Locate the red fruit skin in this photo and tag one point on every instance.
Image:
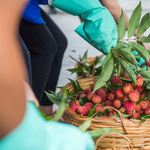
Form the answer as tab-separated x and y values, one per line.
93	86
141	112
147	111
82	95
139	88
127	88
115	80
148	103
139	81
101	93
118	98
125	76
110	96
143	95
69	103
110	114
113	91
86	90
75	102
98	108
88	105
147	63
129	105
137	107
74	107
135	115
143	104
129	113
90	95
116	103
108	103
96	99
82	110
134	96
104	99
119	93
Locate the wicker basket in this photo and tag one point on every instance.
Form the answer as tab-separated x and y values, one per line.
136	134
90	61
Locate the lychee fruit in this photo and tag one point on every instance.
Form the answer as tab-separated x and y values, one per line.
108	103
110	114
74	107
124	75
139	88
127	88
75	102
113	91
93	86
90	95
96	99
116	103
115	80
101	93
86	90
147	111
141	112
82	110
104	99
98	108
82	95
88	105
129	105
139	81
148	103
110	96
143	95
134	96
135	115
143	104
119	93
129	112
137	107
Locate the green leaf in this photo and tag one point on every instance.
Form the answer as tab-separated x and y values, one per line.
91	112
55	100
106	113
121	44
125	79
128	69
134	20
144	73
100	114
114	86
124	115
140	49
84	56
97	133
76	70
46	117
118	68
144	39
138	101
79	56
78	87
145	117
105	74
82	100
84	126
144	24
107	58
121	27
146	79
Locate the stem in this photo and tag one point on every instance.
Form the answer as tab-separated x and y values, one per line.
75	60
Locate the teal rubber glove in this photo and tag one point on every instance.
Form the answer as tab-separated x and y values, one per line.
35	133
98	27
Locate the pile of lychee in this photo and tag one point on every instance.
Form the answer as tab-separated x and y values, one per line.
129	99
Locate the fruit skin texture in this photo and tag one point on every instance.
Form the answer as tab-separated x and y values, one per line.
135	115
129	105
110	96
93	86
137	107
139	81
110	114
104	99
98	108
143	104
90	95
75	102
144	94
82	95
147	111
115	80
139	88
86	90
82	110
101	93
148	103
96	99
141	112
113	91
108	103
74	107
127	88
88	105
125	76
134	96
119	93
116	103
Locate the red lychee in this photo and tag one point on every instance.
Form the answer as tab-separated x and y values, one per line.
129	105
110	96
101	93
108	103
96	99
118	98
75	102
147	111
129	113
115	80
86	90
93	86
124	75
90	95
135	115
116	103
134	96
82	110
113	91
141	112
139	88
143	104
127	88
139	81
148	103
82	95
119	93
110	114
98	108
143	95
74	107
88	105
137	107
104	99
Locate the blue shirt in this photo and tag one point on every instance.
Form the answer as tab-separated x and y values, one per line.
32	11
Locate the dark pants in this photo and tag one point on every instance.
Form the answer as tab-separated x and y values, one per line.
46	44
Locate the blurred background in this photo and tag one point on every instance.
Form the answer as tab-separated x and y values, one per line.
69	23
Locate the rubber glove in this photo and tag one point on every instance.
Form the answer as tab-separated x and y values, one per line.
35	133
98	27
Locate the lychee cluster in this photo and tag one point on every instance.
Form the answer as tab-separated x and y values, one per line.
125	98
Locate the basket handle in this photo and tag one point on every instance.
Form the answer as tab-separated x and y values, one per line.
119	113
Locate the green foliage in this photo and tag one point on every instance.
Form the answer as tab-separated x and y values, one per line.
124	115
84	126
144	39
91	112
82	101
114	86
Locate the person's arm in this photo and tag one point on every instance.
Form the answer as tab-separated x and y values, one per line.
115	10
12	74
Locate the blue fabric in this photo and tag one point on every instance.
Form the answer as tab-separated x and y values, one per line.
32	12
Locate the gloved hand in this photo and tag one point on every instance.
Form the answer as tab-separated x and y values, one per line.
98	27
